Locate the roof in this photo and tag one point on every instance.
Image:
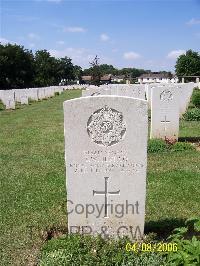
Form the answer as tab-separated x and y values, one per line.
118	77
86	78
155	75
103	78
106	77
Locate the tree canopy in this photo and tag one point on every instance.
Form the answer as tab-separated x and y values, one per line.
95	71
20	68
109	69
188	64
16	67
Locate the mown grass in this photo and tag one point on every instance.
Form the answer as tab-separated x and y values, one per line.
189	129
32	179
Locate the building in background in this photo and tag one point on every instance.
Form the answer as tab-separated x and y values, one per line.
118	79
157	78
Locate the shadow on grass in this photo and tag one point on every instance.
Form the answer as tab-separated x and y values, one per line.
163	228
189	139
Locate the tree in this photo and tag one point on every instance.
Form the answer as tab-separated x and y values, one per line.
108	69
77	72
65	69
19	68
188	64
50	71
132	72
46	69
16	67
96	72
104	69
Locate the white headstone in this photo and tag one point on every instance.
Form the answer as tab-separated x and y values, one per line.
165	113
8	99
106	157
41	93
24	99
185	93
91	91
33	94
148	91
135	91
10	104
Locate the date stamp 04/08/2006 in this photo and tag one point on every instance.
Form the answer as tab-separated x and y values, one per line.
151	247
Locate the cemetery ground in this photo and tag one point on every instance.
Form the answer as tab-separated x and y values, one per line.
32	178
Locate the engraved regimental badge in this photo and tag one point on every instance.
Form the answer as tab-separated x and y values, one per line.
106	126
166	95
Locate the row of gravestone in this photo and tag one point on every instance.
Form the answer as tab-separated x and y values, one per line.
167	103
106	155
23	96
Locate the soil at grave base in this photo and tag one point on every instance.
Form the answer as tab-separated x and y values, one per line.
56	232
31	255
196	145
198	148
53	232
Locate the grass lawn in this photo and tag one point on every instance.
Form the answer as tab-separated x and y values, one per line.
32	178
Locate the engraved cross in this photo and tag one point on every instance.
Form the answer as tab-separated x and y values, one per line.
106	193
165	121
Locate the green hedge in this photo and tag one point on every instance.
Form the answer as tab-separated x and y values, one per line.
188	242
2	106
192	114
195	99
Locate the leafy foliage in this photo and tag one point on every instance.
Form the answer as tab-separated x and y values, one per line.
188	64
104	69
188	252
19	68
195	99
96	71
50	71
182	146
45	66
110	69
2	107
193	111
87	250
192	114
16	67
157	145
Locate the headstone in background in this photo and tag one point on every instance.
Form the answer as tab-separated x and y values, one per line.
106	157
24	99
136	91
10	104
185	93
95	91
8	99
32	94
140	91
41	93
165	113
148	89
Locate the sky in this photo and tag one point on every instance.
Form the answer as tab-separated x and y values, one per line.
143	34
